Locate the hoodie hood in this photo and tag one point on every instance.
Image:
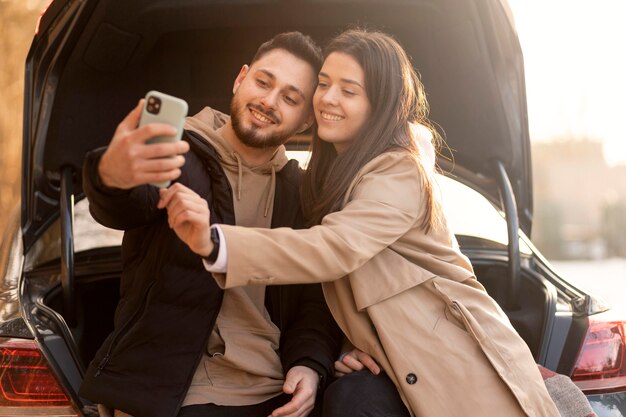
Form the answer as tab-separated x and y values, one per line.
208	121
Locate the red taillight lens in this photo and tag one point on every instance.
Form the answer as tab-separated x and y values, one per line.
601	365
27	385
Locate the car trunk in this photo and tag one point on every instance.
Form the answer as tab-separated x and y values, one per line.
92	60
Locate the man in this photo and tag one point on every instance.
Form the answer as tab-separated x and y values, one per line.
181	345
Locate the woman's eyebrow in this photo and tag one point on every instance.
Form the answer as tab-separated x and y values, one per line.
345	80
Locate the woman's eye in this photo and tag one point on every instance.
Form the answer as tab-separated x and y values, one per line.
349	93
322	84
261	83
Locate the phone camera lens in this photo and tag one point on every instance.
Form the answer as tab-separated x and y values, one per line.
154	104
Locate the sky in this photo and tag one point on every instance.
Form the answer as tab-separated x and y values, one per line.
575	65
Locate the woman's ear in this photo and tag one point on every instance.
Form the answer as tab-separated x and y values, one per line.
307	123
242	74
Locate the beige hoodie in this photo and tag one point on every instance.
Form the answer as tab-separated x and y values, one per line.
241	365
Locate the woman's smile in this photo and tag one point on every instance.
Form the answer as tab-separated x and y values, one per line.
330	116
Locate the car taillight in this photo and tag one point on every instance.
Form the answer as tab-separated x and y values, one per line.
27	385
601	364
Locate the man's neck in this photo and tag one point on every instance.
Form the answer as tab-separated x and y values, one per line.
253	157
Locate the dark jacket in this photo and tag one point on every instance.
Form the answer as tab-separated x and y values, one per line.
169	302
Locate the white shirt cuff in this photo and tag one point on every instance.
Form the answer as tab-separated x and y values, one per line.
220	263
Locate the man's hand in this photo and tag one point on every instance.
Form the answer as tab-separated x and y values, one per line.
188	214
129	161
355	360
302	383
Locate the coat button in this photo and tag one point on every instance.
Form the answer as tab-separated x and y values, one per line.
411	378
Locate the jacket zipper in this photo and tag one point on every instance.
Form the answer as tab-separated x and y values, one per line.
123	332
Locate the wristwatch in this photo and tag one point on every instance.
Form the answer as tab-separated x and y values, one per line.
215	238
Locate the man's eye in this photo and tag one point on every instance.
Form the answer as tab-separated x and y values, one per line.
261	83
290	101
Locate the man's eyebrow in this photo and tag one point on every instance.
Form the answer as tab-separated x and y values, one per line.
289	86
345	80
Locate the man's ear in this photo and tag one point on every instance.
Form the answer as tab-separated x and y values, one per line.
242	74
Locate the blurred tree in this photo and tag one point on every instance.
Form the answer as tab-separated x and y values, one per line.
18	19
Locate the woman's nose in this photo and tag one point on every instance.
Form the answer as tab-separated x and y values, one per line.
330	96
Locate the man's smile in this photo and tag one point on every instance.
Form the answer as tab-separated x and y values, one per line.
261	117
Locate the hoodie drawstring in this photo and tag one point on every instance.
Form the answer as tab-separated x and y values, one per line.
239	175
272	185
270	194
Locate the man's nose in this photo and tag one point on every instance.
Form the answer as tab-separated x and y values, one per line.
270	99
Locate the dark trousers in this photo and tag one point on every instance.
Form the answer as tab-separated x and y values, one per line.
363	394
263	409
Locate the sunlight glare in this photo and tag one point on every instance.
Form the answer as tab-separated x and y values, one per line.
575	66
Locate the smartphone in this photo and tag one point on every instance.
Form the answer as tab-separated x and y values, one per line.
163	108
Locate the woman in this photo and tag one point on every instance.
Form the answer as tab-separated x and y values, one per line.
392	273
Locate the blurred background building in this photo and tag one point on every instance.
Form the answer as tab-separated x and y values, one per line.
580	201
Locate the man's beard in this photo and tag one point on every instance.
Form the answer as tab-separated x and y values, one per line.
250	136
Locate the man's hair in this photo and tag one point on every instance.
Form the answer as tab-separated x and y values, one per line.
300	45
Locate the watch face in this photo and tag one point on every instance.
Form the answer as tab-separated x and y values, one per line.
215	236
215	239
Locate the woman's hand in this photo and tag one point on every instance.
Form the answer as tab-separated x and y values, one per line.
188	214
355	360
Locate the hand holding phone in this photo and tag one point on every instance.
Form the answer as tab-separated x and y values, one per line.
129	161
163	108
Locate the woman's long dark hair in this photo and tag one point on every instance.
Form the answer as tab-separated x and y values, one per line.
397	99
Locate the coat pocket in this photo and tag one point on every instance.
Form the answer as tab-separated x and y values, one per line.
453	329
456	309
506	352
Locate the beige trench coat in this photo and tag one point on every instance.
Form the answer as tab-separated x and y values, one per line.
407	298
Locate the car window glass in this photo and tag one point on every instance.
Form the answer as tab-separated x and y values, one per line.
471	214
